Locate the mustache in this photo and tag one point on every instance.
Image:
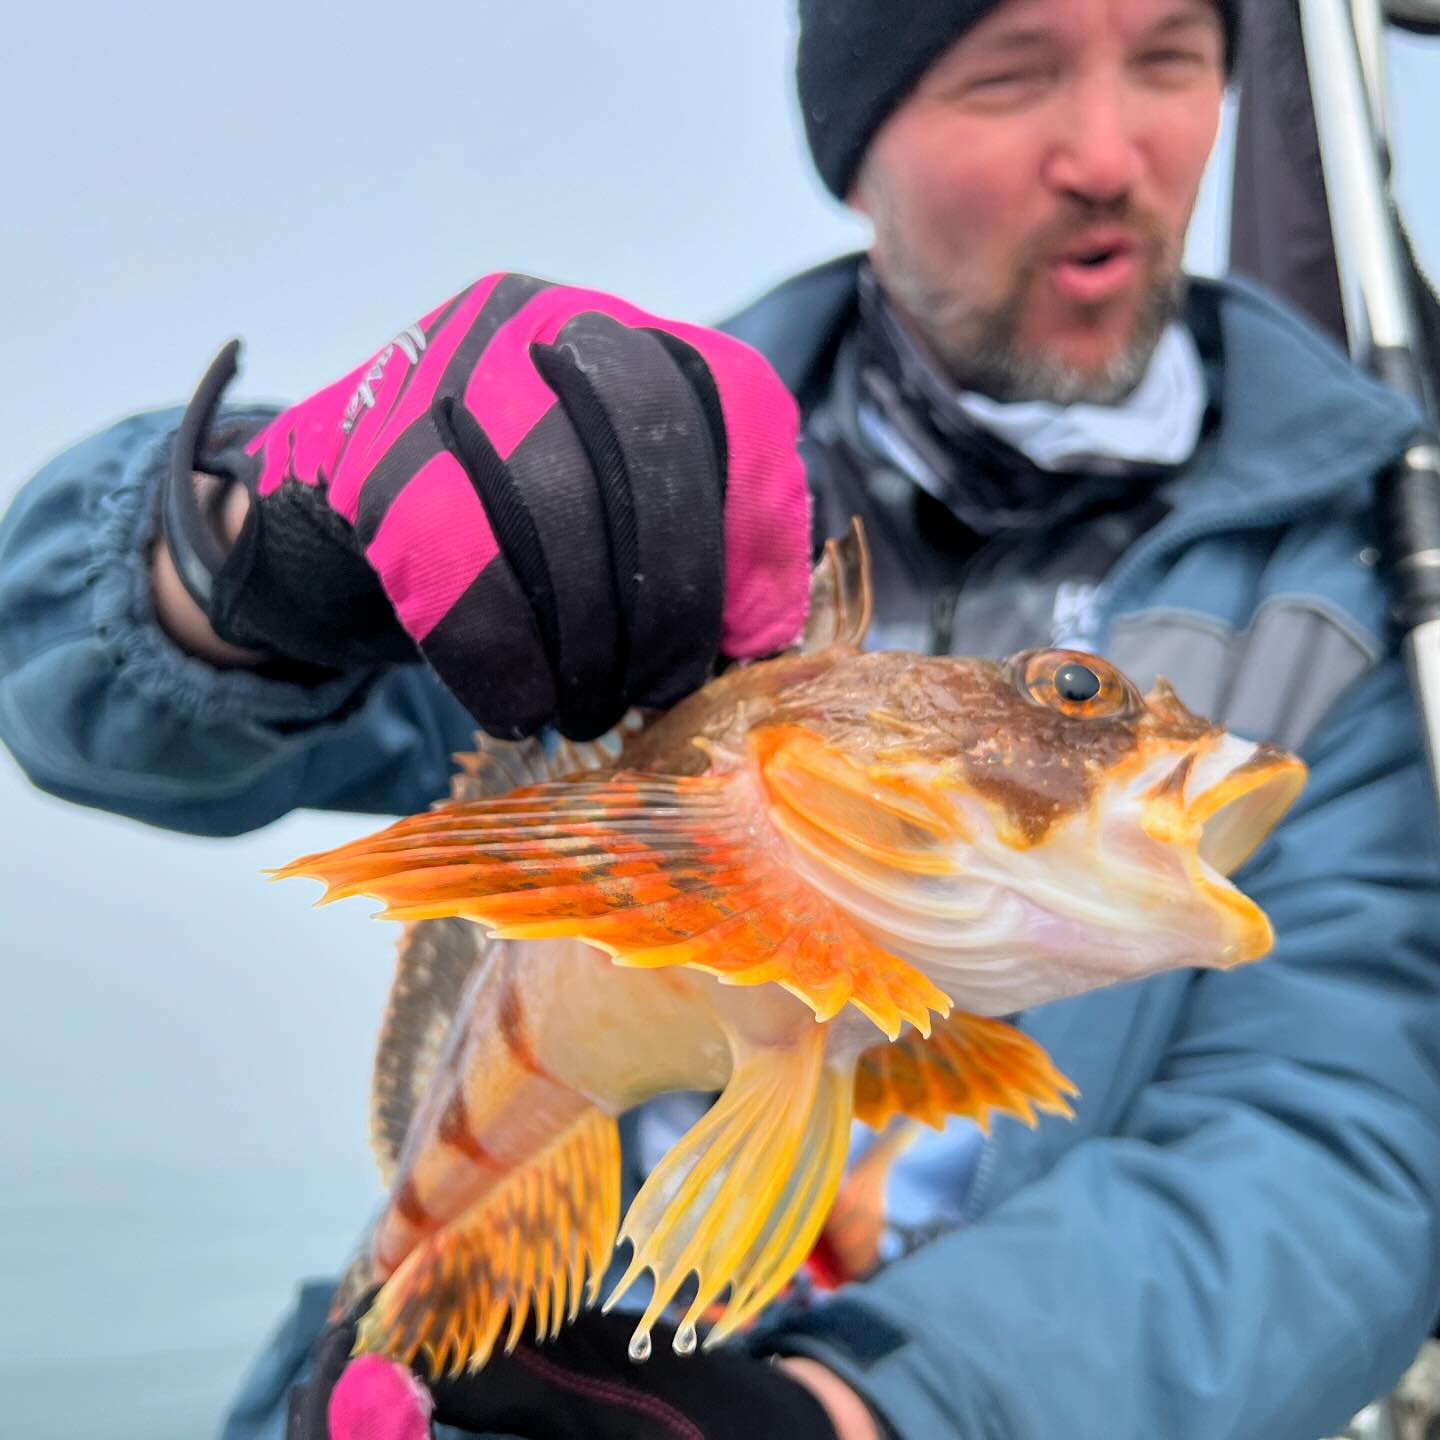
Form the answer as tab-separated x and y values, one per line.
1085	215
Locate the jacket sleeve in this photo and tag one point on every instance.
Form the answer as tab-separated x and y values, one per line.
98	706
1253	1253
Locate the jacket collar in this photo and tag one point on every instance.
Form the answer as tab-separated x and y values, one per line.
1300	422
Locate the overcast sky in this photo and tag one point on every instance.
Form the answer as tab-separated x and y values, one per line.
184	1049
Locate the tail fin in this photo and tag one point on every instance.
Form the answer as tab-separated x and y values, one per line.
532	1241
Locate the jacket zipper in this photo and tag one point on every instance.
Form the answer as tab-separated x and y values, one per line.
980	1185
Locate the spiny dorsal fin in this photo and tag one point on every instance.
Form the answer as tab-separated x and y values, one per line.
496	767
434	962
840	594
969	1065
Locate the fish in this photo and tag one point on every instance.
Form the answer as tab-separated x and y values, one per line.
820	888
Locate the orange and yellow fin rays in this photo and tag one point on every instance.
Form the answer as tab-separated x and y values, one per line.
656	870
868	810
496	767
731	1203
969	1066
529	1244
435	960
792	936
596	834
840	594
794	1223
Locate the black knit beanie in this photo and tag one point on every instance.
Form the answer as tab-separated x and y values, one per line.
858	59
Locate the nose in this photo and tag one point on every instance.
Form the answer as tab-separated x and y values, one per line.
1097	157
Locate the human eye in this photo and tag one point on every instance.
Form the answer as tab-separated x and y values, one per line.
1172	65
1013	85
1174	55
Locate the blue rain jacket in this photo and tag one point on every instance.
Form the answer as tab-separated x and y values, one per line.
1237	1235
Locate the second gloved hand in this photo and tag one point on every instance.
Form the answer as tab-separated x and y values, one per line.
569	506
580	1386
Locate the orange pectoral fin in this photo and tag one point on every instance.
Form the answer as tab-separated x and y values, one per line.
969	1066
867	810
656	870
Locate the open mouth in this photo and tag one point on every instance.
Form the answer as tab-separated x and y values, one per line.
1216	806
1096	267
1238	812
1235	814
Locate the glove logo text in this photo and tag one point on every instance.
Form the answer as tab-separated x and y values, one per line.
410	342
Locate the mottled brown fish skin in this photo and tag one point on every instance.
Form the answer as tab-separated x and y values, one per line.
1035	762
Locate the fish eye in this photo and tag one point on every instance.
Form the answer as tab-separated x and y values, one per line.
1074	684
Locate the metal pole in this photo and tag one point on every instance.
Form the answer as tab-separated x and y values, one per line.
1372	268
1369	21
1375	287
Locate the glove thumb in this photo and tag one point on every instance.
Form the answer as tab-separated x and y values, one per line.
376	1399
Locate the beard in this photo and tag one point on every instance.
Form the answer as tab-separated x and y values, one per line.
981	349
980	345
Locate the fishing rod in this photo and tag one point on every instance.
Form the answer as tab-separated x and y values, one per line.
1383	296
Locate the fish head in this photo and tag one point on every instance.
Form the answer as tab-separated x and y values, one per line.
1024	829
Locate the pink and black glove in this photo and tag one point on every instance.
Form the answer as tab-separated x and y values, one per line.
567	505
580	1386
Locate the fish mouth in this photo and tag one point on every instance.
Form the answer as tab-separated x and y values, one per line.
1239	811
1230	816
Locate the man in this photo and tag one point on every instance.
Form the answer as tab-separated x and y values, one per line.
566	506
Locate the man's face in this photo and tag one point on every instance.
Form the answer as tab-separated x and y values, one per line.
1030	198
